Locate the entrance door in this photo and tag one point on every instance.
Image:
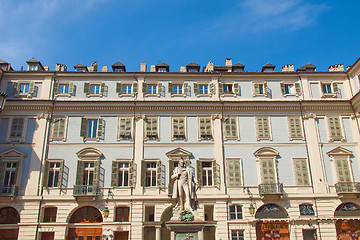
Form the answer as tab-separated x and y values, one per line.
9	234
272	231
123	235
85	234
47	235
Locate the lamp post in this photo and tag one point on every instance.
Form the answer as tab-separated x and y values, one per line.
251	208
106	209
3	97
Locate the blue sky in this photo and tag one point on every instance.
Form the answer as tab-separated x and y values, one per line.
253	32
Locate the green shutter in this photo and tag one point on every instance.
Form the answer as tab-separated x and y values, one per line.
16	89
216	174
335	87
295	128
102	88
256	88
185	88
56	88
159	173
114	174
265	88
171	170
31	88
335	128
297	88
80	173
236	89
119	88
87	88
221	88
131	174
144	88
282	86
196	89
199	172
181	126
83	127
268	171
17	183
212	88
135	88
71	88
159	89
100	128
46	174
143	172
96	172
343	170
2	170
61	174
233	173
171	88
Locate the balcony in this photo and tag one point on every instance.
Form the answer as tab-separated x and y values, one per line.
86	191
9	191
275	189
347	187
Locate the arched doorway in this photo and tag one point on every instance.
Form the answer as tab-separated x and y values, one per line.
165	217
86	215
272	229
348	224
11	218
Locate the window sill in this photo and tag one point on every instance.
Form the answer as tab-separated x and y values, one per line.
329	95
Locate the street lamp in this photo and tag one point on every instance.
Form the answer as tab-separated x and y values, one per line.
106	212
252	209
3	97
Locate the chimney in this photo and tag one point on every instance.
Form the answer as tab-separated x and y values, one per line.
93	67
209	67
228	62
288	68
143	67
182	69
60	67
152	68
105	69
46	68
336	68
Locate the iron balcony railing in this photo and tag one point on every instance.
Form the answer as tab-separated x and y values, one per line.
9	190
86	190
271	188
347	187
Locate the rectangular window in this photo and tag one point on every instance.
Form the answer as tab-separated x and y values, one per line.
295	129
95	89
63	88
126	88
301	172
151	128
234	172
88	173
125	125
122	173
50	214
17	128
335	129
161	69
231	128
92	128
59	128
205	128
326	87
123	178
235	212
151	89
178	88
329	89
122	214
178	128
54	174
343	170
207	173
24	87
263	128
267	171
260	89
203	89
32	68
150	174
290	89
237	235
149	213
10	174
228	89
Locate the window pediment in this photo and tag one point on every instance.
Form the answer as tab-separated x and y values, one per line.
89	154
339	151
12	153
266	152
178	153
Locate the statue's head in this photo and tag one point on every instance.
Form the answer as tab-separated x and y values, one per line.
182	162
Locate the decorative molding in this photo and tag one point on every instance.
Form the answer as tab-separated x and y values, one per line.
309	115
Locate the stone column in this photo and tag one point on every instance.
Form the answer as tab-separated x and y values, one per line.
201	235
158	233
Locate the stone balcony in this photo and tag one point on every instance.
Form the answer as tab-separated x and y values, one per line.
9	191
347	187
271	189
86	191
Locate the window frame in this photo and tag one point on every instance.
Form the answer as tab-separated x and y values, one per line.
296	178
57	87
211	135
333	87
258	137
47	171
116	170
332	138
236	212
210	89
145	88
296	88
22	138
234	86
100	128
267	153
173	138
257	90
16	89
51	217
225	122
215	168
59	138
341	154
117	208
125	136
120	88
88	85
158	173
301	130
153	137
239	234
308	205
184	87
12	155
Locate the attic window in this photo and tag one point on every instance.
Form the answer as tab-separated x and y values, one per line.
161	69
32	68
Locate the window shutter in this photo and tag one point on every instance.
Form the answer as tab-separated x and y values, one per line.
96	172
221	88
119	88
301	172
17	179
335	87
282	86
160	89
56	88
87	88
71	88
135	88
131	174
196	89
199	172
268	171
16	89
212	88
83	127
102	89
31	88
171	171
216	172
233	173
265	88
297	88
185	88
61	174
2	170
295	128
114	174
236	89
144	88
335	128
181	126
143	172
80	173
256	88
46	174
100	129
343	171
159	173
171	89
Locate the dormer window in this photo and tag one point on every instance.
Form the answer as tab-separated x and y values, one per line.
118	67
80	67
193	67
268	68
34	65
162	70
118	70
162	67
32	68
80	70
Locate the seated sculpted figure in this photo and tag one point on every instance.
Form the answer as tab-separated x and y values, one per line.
185	186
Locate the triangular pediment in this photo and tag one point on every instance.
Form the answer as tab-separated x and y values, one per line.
89	153
339	151
12	153
266	151
179	152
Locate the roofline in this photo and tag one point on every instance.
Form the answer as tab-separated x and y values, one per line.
355	64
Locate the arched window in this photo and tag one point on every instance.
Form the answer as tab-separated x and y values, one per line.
86	215
9	215
270	211
306	209
347	209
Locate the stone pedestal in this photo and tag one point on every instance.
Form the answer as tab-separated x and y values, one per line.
186	230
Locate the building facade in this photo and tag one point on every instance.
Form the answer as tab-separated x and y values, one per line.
88	154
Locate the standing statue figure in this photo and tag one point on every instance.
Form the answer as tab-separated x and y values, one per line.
185	186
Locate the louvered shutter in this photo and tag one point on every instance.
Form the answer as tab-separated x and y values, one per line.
212	88
135	88
268	171
196	89
295	128
159	89
181	126
144	88
114	174
256	88
87	88
263	128
100	129
335	87
221	88
301	172
282	86
154	127
343	170
102	89
56	88
31	88
17	176
131	174
80	173
96	172
185	88
171	88
119	88
265	88
335	128
236	89
15	89
61	133
159	173
143	172
233	173
61	174
71	88
171	171
216	174
83	127
46	174
199	172
297	88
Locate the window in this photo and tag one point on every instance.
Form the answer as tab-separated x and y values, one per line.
301	172
17	128
118	70
88	173
268	174
177	89
237	234
209	212
151	128
343	170
329	89
335	129
306	210
53	173
58	131
88	170
260	89
124	128
205	128
263	128
290	89
340	159
32	68
178	128
23	89
10	172
229	89
122	174
152	89
207	173
235	212
149	213
295	129
233	172
152	173
204	89
50	214
161	69
63	89
231	128
126	89
92	128
122	214
94	89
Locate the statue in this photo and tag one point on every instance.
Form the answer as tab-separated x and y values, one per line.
185	187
